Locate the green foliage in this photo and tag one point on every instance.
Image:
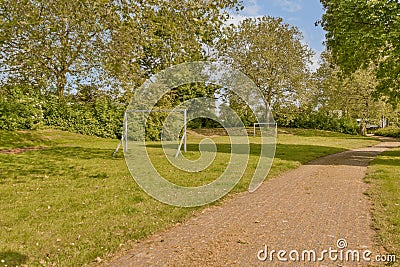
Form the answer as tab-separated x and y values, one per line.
354	94
271	53
45	42
173	98
389	132
360	32
320	121
61	44
19	108
203	123
351	95
154	125
100	118
240	107
23	108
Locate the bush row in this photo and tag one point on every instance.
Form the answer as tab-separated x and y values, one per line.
101	117
389	132
320	121
20	112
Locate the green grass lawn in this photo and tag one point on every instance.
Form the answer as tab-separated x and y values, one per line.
384	177
71	202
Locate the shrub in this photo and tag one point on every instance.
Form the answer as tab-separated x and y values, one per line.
320	121
389	132
23	107
101	118
19	109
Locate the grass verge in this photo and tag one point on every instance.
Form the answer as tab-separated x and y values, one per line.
384	178
71	203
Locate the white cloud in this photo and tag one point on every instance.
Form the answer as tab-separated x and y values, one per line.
235	19
289	5
252	9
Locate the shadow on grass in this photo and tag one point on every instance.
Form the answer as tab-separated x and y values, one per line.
59	161
21	139
390	158
348	158
77	152
307	154
12	258
299	153
65	152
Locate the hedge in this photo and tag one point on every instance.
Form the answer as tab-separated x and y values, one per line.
389	132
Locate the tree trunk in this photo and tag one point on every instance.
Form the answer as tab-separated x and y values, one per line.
267	101
61	82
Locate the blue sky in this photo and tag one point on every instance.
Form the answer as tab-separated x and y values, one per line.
300	13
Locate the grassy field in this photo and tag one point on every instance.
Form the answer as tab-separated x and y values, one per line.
71	203
384	177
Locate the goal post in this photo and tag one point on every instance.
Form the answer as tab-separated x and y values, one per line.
141	128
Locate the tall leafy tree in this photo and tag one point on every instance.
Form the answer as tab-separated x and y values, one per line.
47	42
363	31
179	31
272	54
62	44
352	95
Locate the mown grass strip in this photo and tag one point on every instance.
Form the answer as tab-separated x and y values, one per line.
384	178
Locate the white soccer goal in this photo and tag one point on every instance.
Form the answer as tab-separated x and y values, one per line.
267	124
140	128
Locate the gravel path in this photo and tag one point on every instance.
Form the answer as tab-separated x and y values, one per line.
309	208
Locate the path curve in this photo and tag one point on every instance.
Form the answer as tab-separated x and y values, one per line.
307	208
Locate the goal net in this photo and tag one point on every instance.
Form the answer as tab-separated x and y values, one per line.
168	126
